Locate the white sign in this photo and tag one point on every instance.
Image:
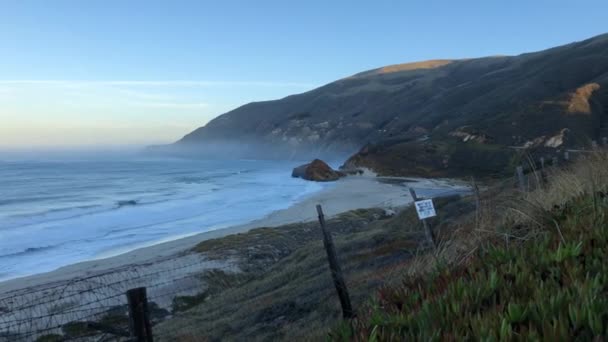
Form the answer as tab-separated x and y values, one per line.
425	209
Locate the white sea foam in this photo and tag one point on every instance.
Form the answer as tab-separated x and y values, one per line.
56	213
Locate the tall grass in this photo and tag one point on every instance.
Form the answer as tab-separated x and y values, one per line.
527	265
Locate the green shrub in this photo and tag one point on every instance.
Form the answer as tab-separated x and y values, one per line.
50	338
77	329
550	287
183	303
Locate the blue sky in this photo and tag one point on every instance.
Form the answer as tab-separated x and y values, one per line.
139	72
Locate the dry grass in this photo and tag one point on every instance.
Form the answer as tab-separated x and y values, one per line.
530	213
579	100
430	64
512	231
293	298
506	215
588	175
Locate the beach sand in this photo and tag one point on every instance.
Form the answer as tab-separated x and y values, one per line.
41	304
346	194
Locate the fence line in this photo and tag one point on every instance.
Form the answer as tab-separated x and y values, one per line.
73	310
95	307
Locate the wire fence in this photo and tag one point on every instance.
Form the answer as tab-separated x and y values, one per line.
95	307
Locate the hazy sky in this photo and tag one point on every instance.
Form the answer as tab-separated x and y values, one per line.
138	72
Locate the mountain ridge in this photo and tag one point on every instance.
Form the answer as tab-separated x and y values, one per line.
420	111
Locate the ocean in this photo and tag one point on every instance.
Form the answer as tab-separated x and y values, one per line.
55	213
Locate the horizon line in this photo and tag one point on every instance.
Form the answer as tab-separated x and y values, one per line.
156	83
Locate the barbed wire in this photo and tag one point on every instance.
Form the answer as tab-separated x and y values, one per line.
174	284
105	285
111	271
31	313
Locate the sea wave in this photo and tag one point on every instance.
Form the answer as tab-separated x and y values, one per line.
122	210
32	199
27	251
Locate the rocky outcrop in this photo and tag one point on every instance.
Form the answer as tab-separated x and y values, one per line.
317	170
553	141
467	135
558	139
351	170
434	159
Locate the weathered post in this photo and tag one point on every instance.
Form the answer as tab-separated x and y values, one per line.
520	177
477	202
542	163
334	266
427	230
139	317
566	155
543	174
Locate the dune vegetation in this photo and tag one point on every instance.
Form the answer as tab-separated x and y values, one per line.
526	266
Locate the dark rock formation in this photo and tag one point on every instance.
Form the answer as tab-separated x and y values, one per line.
317	170
351	170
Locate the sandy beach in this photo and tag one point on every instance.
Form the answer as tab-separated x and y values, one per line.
172	269
347	194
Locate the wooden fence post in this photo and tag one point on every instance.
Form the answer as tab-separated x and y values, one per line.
477	202
427	230
605	141
542	163
139	317
566	156
543	174
520	178
334	266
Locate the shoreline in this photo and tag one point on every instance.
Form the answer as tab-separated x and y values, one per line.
356	192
